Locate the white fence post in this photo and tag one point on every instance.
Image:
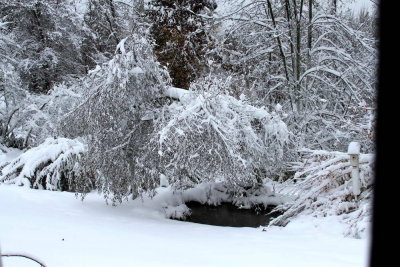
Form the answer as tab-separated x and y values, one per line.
354	153
163	181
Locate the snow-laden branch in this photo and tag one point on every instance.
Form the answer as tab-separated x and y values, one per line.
176	93
210	135
46	165
323	18
322	186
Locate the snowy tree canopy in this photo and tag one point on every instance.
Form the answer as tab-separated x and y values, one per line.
317	64
212	136
117	97
48	41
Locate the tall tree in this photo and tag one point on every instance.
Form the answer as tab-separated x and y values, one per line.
118	96
180	36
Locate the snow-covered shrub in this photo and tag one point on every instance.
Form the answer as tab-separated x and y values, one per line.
53	165
210	136
12	101
322	187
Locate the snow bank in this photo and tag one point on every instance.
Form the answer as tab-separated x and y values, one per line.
46	165
322	187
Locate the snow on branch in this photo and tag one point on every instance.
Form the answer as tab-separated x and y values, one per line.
120	99
210	135
322	187
321	19
176	93
53	165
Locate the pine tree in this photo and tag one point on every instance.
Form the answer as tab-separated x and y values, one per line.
180	36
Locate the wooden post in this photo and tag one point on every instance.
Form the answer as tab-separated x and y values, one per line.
354	153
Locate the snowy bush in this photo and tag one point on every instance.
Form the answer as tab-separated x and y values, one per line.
322	187
53	165
210	136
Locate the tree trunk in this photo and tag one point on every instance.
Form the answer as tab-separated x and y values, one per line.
290	26
297	16
334	7
309	36
278	40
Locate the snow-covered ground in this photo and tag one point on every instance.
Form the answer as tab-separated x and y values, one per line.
61	230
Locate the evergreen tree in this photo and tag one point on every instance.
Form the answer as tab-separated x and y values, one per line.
181	37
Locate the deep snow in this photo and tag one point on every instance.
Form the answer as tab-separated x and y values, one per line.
61	230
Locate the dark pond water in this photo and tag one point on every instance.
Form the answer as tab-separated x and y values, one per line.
227	214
